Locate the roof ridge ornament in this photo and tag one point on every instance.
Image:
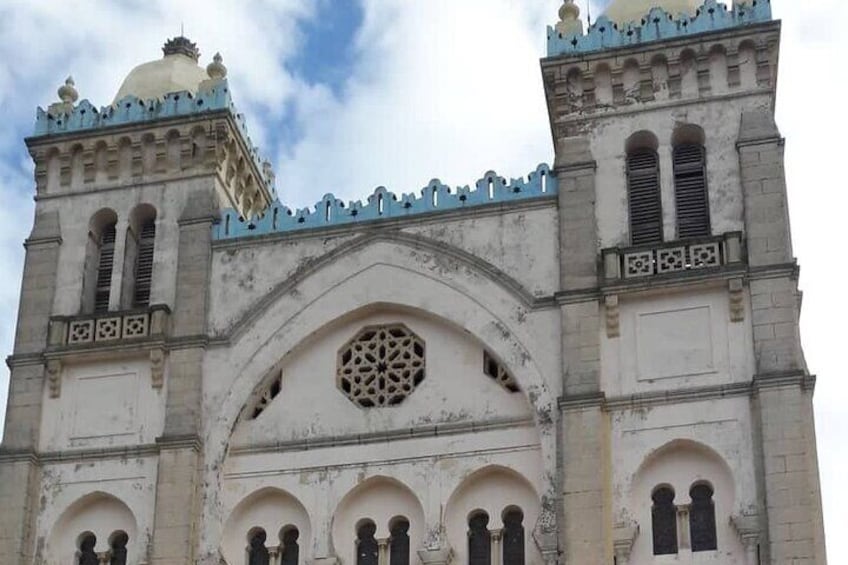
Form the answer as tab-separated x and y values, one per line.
216	69
67	92
181	46
569	19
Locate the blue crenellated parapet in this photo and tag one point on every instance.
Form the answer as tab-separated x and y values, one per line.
658	25
131	110
383	205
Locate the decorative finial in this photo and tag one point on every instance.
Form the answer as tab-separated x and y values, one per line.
183	46
216	69
569	19
67	93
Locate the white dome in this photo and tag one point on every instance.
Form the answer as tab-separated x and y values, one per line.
176	71
624	11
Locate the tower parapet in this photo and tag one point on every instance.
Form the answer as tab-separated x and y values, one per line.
140	139
656	25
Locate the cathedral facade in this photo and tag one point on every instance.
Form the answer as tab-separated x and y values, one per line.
595	363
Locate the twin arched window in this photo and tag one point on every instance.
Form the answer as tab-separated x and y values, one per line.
690	186
509	541
117	555
371	551
699	516
287	553
138	259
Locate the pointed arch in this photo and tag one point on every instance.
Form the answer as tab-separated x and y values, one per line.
271	510
430	278
99	519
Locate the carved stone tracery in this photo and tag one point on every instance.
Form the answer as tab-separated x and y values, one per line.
381	365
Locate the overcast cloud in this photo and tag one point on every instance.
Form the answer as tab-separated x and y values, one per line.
343	97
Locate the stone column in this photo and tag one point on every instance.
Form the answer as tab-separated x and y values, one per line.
788	471
180	458
583	432
20	474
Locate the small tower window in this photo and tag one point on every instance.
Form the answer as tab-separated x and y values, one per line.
643	193
87	555
399	542
367	550
105	262
690	191
257	553
702	524
144	264
664	522
479	540
290	551
513	537
118	553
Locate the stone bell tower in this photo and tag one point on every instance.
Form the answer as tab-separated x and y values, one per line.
106	374
677	246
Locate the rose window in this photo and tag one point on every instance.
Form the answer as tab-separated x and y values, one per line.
381	365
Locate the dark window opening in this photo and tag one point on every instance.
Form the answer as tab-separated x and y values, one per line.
664	522
690	191
118	553
645	201
479	540
702	524
367	550
399	543
257	552
513	537
87	555
144	265
290	552
104	269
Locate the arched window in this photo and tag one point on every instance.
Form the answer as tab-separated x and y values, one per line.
144	264
479	539
664	522
643	189
87	555
257	553
690	190
118	545
702	524
290	551
399	542
105	262
513	537
138	257
367	550
99	260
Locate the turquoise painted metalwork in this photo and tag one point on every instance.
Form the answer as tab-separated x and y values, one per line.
382	205
658	25
131	110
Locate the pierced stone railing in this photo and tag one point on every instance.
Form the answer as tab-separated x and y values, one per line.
108	328
672	257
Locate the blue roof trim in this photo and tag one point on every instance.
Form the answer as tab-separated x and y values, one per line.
658	25
131	110
435	197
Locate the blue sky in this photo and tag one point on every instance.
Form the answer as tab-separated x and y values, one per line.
346	95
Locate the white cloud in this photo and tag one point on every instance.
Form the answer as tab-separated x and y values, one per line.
440	88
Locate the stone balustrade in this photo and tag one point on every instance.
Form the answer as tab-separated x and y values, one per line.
108	328
672	257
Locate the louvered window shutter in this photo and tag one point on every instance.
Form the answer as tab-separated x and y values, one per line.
144	265
643	191
104	269
690	191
